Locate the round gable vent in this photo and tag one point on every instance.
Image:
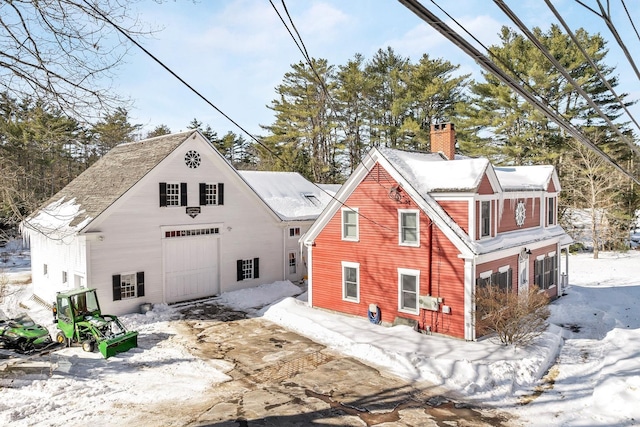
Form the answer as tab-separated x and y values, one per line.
192	159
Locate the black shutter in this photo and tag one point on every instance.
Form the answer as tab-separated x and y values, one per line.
140	283
163	194
117	289
239	270
256	268
203	194
183	194
221	194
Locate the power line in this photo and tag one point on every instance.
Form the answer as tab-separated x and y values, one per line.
184	82
633	25
542	48
590	60
606	17
423	13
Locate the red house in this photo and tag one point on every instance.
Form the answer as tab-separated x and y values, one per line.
410	235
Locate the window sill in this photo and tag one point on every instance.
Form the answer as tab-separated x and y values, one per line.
409	245
406	311
353	300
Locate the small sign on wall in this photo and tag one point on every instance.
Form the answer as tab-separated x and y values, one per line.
193	211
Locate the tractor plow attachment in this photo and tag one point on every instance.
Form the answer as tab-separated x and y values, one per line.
118	344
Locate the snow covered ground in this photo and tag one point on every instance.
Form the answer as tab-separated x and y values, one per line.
589	357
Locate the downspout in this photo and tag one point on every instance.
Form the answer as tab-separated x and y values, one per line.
285	256
309	274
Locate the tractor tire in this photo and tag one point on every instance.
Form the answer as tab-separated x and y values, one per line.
62	339
88	346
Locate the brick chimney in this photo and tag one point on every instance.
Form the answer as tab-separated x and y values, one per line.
443	139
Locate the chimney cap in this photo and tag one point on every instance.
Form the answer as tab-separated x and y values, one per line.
443	126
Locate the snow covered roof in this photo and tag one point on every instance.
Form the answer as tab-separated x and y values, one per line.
430	173
94	190
288	194
519	178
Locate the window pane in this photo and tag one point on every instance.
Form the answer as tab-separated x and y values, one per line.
350	274
349	220
408	301
409	232
351	290
409	220
350	282
408	283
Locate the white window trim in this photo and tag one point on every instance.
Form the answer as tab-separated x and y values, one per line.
400	213
355	265
214	185
135	284
179	195
551	254
295	236
480	223
504	269
342	234
416	274
486	274
295	266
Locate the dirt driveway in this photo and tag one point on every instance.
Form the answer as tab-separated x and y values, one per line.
283	379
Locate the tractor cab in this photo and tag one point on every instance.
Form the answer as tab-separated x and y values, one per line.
79	320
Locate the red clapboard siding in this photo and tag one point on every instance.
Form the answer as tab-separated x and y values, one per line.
458	210
551	188
507	221
553	292
379	256
485	186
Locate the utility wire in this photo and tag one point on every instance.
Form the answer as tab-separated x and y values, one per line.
303	50
591	62
174	74
606	17
423	13
633	25
542	48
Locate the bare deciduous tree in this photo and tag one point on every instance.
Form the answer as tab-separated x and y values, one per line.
64	51
595	187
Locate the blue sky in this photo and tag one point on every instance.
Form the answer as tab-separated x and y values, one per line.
235	52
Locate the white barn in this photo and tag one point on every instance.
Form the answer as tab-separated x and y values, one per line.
169	219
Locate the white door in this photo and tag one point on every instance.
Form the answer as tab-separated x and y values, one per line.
523	273
190	267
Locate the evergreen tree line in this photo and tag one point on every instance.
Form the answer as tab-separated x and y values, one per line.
327	117
42	150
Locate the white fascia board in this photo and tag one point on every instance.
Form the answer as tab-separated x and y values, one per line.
556	180
515	250
338	201
493	179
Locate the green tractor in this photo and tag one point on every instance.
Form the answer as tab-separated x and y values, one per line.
79	320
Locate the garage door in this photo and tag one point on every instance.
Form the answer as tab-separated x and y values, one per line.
190	267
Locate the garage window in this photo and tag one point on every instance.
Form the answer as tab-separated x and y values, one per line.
211	194
248	269
128	285
173	194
